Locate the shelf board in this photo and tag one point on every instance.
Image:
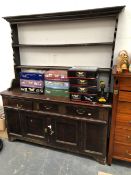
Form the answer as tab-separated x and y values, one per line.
67	16
64	45
100	70
42	67
104	70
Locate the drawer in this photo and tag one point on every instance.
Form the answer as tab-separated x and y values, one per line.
19	103
83	89
48	107
125	84
123	121
82	111
82	74
123	151
124	96
124	107
83	97
83	82
123	136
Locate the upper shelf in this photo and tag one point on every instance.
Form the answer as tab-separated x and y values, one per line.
103	70
64	45
67	16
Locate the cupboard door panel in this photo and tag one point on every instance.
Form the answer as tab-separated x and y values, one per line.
13	121
34	125
67	133
94	138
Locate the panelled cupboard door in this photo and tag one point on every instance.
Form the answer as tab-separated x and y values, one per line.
66	133
94	138
13	121
34	125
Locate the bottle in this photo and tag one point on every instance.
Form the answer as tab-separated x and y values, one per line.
102	98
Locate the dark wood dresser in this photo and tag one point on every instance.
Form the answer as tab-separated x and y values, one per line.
120	137
79	127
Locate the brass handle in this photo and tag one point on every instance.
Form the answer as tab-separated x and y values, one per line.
19	106
129	137
51	132
48	107
127	152
81	111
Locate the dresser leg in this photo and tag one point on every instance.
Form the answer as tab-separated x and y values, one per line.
109	161
11	139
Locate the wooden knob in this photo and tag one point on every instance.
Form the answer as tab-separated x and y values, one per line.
129	122
128	154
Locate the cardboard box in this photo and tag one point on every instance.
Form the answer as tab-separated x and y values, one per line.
2	122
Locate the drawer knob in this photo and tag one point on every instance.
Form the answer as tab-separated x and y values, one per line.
129	137
128	154
81	111
31	121
129	122
89	114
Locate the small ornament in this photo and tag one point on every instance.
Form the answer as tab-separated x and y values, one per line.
122	61
130	66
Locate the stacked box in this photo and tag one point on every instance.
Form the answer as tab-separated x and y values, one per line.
56	75
56	83
32	82
83	83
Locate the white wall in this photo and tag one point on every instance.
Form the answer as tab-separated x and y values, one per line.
22	7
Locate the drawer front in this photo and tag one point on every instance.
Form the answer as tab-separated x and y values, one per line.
20	104
123	121
84	89
123	151
124	107
83	82
125	84
124	96
82	111
123	136
48	107
82	74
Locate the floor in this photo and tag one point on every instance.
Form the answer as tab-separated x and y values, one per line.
18	158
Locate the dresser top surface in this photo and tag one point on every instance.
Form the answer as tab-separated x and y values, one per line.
16	93
123	74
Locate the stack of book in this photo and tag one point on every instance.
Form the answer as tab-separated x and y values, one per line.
32	82
56	83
